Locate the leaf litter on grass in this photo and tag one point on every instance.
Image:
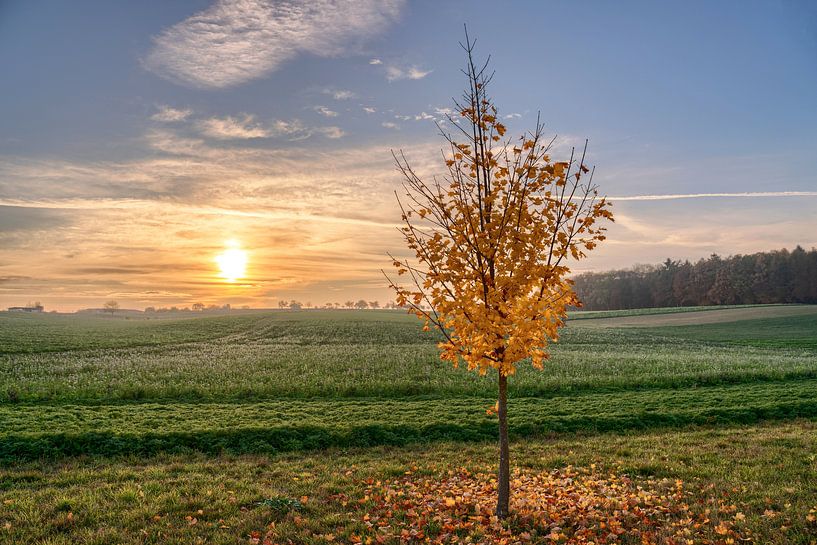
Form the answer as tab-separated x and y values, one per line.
565	506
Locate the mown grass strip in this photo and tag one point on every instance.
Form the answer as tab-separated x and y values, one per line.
148	428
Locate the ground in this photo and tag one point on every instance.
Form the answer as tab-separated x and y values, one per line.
118	430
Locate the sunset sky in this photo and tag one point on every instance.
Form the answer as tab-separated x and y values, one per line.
141	140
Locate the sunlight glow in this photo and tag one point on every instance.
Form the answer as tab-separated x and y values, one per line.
232	262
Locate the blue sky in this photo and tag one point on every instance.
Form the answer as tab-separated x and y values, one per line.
137	137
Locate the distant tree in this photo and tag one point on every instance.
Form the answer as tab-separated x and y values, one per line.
295	305
198	307
283	303
111	306
374	304
349	304
491	242
150	309
361	305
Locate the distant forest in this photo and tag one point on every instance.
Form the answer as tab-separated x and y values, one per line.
766	277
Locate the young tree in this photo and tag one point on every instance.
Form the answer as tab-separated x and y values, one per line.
111	306
491	241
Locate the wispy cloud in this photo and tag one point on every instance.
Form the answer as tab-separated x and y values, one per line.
232	128
167	114
390	125
375	62
394	73
235	41
296	130
339	94
326	112
369	109
714	195
331	132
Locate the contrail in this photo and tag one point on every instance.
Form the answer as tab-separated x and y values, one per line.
706	195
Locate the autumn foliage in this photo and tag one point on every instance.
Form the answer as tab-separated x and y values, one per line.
492	240
565	506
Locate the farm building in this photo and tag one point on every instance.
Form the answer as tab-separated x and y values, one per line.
30	308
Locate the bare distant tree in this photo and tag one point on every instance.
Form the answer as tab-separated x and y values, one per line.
361	304
349	304
111	306
295	305
283	303
198	307
374	304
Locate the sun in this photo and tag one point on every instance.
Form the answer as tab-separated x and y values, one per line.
232	262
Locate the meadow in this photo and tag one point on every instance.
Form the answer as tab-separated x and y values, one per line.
233	420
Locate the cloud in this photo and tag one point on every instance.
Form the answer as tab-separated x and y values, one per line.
513	115
235	41
394	73
232	128
390	125
331	132
301	210
375	61
166	114
295	130
339	94
14	219
711	195
326	112
369	109
423	116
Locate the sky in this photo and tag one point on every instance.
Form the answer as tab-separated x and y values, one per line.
140	141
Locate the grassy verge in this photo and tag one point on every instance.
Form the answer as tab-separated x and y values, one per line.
768	472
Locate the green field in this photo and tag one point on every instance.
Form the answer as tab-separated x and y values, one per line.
106	411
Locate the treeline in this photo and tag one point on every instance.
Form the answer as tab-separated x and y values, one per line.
766	277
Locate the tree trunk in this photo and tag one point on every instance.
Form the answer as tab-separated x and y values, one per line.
504	482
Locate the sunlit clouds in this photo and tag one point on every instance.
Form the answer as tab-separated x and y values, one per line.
159	135
235	41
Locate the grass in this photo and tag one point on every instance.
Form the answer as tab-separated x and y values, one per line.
37	333
376	354
119	421
795	332
769	472
594	314
34	431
